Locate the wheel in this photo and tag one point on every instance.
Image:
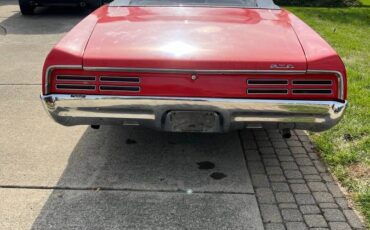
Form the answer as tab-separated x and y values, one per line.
26	7
94	4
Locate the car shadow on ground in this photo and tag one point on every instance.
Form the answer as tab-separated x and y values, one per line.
128	166
46	20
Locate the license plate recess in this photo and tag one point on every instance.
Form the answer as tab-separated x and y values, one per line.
192	121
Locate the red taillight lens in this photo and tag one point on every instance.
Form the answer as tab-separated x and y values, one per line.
293	87
83	82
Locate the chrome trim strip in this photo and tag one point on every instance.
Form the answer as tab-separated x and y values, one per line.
235	113
190	71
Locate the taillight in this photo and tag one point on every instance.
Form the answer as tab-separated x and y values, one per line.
84	82
75	78
293	87
305	86
74	82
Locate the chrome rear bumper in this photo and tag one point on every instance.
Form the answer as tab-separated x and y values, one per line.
233	113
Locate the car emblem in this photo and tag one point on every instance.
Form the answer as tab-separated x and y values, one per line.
282	66
194	77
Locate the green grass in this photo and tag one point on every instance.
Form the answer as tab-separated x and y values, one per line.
365	2
346	148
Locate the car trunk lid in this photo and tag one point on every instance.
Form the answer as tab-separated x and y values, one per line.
193	38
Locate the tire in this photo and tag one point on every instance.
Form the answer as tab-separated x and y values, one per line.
25	7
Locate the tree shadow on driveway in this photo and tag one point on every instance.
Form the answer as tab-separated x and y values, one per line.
134	178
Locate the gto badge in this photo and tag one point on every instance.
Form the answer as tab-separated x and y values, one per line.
282	66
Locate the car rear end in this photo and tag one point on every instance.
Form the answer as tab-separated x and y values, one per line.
256	74
200	101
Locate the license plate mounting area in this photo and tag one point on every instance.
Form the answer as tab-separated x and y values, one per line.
192	121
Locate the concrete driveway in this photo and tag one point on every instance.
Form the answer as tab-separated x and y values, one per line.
53	177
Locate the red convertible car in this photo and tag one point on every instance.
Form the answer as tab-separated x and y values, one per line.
194	66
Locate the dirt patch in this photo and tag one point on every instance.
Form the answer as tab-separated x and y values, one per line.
359	171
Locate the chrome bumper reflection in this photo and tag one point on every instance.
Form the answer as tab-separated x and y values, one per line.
234	113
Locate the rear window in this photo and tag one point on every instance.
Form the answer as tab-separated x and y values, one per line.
266	4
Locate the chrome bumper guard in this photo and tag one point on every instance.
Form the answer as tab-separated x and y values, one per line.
233	114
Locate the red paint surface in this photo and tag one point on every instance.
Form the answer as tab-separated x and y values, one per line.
195	38
192	38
